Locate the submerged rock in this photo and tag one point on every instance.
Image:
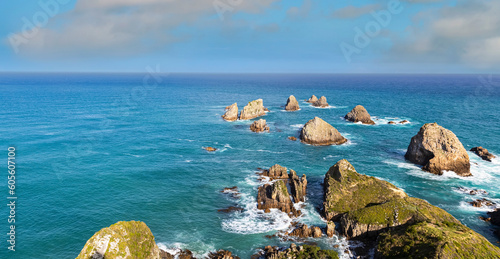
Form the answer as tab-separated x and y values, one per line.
438	149
391	122
254	109
259	126
483	153
404	122
210	149
231	112
292	104
359	114
321	102
319	132
481	202
125	239
400	226
313	99
292	138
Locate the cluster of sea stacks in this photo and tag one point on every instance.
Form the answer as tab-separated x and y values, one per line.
356	206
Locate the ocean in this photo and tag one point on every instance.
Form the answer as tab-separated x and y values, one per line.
94	149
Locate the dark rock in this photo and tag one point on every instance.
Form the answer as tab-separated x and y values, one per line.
221	254
481	202
483	153
495	217
359	114
231	209
438	149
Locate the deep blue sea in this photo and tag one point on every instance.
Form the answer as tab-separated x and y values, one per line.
94	149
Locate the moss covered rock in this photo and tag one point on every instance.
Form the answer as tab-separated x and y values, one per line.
125	239
299	252
346	190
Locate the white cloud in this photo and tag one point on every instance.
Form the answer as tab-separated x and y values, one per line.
351	11
121	27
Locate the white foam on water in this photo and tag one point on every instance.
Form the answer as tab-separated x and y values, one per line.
298	126
465	206
255	221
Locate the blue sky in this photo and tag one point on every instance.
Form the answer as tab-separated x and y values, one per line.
295	36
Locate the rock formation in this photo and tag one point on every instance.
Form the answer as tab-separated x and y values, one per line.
292	138
319	132
400	226
495	217
404	122
259	126
438	149
391	122
210	149
321	102
222	254
313	99
303	231
298	186
231	112
483	153
292	104
125	239
276	195
481	202
359	114
346	190
296	252
254	109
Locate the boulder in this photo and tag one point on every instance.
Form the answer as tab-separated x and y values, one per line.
259	126
210	149
359	114
438	149
346	190
404	122
303	231
125	239
231	112
321	102
483	153
292	104
481	202
254	109
330	229
391	122
318	132
292	138
276	196
313	99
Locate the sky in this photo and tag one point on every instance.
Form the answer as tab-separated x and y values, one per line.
244	36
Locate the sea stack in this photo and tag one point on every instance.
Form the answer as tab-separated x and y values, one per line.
231	112
438	149
321	102
125	239
259	126
254	109
292	104
319	133
313	99
483	153
359	114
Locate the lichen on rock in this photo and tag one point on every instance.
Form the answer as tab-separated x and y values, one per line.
254	109
319	132
359	114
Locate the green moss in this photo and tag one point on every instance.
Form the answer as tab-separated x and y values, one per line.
314	252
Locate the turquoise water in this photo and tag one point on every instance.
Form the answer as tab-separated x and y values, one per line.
94	149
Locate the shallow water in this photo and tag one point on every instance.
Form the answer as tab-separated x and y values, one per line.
94	149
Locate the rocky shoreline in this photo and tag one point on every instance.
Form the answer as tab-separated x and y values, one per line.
355	206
